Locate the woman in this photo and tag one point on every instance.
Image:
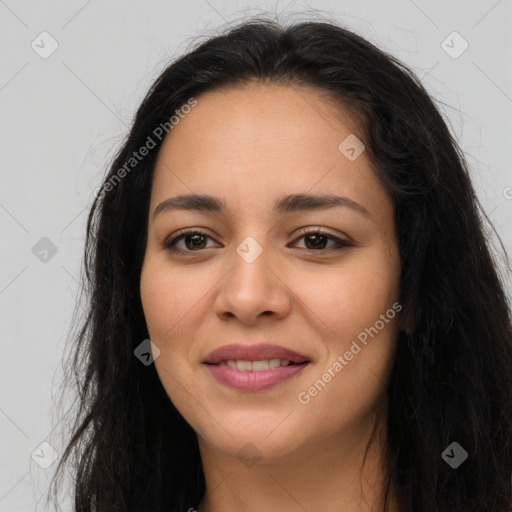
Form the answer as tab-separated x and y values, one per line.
292	225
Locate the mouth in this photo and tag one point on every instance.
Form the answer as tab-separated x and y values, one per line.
261	354
257	365
254	367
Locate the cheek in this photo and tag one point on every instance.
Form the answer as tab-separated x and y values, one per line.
348	304
168	297
351	297
165	307
172	301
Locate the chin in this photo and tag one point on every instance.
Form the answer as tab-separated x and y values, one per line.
250	438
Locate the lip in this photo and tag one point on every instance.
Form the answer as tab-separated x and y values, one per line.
251	381
254	353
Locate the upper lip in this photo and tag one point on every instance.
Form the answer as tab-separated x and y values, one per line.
254	353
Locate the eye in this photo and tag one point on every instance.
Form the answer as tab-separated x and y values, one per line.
316	239
191	237
195	240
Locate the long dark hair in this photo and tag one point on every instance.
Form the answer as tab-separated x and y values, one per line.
451	380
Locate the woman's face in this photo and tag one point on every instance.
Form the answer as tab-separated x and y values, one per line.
259	273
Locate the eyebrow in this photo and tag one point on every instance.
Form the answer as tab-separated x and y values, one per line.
286	204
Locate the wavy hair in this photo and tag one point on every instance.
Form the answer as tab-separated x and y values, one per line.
451	379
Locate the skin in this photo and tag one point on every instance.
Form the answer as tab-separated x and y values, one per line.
250	146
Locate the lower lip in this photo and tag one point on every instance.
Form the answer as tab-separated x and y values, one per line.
254	380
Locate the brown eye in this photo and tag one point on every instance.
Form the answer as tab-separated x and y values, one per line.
193	241
197	241
317	240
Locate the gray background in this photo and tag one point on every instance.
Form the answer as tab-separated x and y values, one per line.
64	116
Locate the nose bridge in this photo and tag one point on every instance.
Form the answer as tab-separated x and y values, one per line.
251	264
250	250
251	287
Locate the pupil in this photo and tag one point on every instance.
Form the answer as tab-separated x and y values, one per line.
316	244
195	237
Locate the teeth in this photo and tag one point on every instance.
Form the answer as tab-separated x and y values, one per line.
244	365
255	366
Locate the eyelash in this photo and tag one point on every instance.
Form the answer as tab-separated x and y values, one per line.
169	244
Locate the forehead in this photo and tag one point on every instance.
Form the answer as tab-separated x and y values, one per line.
261	140
256	118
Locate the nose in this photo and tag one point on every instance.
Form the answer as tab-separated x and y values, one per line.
252	289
